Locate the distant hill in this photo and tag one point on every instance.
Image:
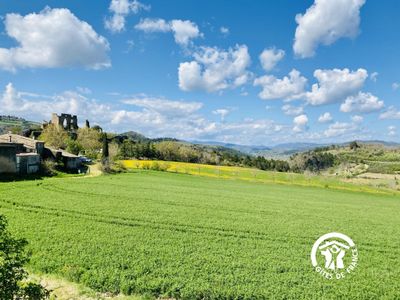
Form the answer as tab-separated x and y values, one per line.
288	149
285	150
138	137
242	148
215	147
379	142
131	135
9	123
277	151
280	151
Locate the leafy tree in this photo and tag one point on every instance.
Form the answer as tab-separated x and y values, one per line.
13	257
55	136
188	154
74	147
354	145
313	161
91	141
247	161
168	150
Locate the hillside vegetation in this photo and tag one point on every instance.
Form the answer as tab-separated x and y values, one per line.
377	157
191	237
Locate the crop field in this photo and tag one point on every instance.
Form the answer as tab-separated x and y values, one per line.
190	237
387	186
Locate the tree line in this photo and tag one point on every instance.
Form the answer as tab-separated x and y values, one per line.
92	142
182	152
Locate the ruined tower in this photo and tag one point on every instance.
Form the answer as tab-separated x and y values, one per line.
66	121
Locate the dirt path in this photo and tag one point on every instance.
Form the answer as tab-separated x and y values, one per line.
94	170
62	289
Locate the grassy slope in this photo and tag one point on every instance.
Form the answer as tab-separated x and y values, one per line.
11	123
196	237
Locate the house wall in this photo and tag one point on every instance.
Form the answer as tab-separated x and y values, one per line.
28	164
7	159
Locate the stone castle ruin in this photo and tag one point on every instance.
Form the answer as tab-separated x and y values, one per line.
66	121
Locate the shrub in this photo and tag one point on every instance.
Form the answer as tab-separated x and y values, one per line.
13	257
158	166
48	167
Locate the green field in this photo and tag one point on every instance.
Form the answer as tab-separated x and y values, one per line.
190	237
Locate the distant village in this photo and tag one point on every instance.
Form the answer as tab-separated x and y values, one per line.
23	155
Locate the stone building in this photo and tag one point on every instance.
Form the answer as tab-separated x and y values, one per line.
66	121
23	155
15	160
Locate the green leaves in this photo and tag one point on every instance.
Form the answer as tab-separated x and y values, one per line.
13	257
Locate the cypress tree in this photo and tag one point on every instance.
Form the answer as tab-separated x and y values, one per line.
105	152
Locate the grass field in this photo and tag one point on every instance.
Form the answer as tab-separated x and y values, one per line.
191	237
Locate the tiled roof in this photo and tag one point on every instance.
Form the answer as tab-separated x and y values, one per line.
15	138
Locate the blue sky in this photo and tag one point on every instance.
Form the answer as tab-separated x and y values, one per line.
246	72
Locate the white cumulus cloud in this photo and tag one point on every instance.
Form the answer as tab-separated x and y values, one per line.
374	76
50	39
392	130
270	57
300	123
392	113
325	118
214	69
222	112
152	116
291	110
335	85
165	106
357	119
340	129
224	30
120	10
362	103
289	87
325	22
183	30
153	25
40	107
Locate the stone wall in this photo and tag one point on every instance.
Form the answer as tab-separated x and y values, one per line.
8	162
66	121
